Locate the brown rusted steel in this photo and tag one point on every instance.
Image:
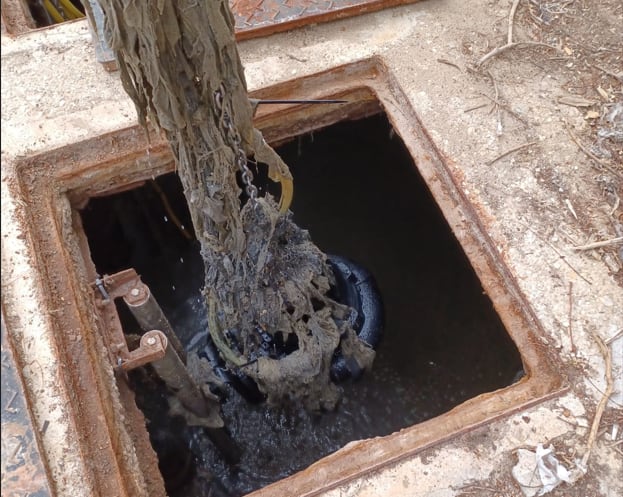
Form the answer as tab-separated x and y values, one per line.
121	283
153	346
143	306
256	18
106	290
158	349
153	343
72	174
253	18
148	313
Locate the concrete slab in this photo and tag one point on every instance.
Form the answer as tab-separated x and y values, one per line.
22	469
537	202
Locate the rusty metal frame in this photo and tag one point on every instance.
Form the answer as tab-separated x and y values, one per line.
252	18
255	18
109	428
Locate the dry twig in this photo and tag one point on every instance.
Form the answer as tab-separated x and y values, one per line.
448	63
506	108
510	152
573	349
607	355
496	106
618	76
571	209
599	390
562	257
614	337
590	154
511	19
503	48
603	243
475	107
584	149
617	202
509	39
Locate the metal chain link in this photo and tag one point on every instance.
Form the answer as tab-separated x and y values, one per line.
232	133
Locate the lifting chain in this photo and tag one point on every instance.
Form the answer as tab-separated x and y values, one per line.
232	134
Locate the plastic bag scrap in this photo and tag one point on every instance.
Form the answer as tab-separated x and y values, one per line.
539	472
611	124
610	130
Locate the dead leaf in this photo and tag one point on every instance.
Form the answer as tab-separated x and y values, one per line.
575	101
591	114
568	51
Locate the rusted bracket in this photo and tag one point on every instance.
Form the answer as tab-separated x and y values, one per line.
159	349
153	345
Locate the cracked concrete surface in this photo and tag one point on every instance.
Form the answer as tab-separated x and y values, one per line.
537	202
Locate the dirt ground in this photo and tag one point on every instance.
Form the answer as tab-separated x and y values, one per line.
586	60
576	48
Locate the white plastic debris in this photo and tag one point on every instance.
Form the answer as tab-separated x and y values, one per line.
538	473
552	473
614	432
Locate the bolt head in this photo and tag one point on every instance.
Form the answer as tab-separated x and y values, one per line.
134	292
151	341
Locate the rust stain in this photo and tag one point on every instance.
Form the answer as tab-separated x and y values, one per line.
105	163
256	18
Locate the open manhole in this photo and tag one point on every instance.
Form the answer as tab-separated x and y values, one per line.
360	196
458	350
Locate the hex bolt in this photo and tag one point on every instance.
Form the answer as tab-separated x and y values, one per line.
151	341
135	292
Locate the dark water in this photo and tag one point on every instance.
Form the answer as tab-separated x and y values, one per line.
358	193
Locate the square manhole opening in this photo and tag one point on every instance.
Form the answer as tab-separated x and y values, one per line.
360	196
459	347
